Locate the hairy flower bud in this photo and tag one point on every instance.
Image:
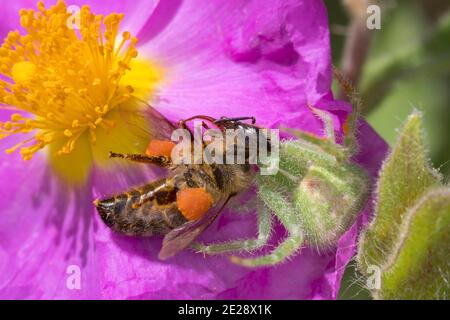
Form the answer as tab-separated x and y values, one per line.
404	177
408	240
418	266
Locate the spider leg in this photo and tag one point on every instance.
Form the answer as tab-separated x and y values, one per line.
277	201
264	227
246	206
160	161
329	135
327	120
284	250
351	125
325	144
287	215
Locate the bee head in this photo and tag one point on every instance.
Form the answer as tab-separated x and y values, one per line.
235	123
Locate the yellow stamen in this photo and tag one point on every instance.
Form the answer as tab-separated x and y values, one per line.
66	81
23	71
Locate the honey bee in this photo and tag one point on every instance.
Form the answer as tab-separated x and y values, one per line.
184	203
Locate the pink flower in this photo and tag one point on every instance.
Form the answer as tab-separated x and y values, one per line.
222	57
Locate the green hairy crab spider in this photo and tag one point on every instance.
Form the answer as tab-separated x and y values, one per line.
316	194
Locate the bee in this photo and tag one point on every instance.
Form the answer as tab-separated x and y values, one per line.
183	204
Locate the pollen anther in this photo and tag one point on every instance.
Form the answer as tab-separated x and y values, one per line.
67	80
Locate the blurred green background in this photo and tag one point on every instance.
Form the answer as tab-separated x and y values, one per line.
407	66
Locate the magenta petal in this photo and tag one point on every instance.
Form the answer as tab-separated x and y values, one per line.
131	270
243	59
222	57
44	229
10	15
136	12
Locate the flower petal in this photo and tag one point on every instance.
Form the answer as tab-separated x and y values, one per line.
10	15
45	230
136	12
131	270
238	58
230	58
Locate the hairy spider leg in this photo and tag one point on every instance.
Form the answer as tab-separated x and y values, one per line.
286	213
327	143
264	228
351	124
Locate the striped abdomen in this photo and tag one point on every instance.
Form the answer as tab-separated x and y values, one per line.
144	211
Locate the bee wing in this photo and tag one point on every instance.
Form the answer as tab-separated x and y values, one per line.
145	121
181	237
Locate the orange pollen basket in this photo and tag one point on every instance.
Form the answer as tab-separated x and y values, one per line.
160	148
193	203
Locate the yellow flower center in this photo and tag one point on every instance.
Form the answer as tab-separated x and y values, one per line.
67	83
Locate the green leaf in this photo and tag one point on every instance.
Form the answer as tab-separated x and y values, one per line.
404	177
418	266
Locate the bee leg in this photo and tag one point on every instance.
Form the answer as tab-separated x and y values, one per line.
160	161
204	125
264	228
182	124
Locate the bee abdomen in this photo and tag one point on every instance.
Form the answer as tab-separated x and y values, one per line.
144	212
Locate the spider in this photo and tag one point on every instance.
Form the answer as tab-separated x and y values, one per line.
316	194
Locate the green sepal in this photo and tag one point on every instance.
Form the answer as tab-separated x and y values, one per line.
403	178
418	266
